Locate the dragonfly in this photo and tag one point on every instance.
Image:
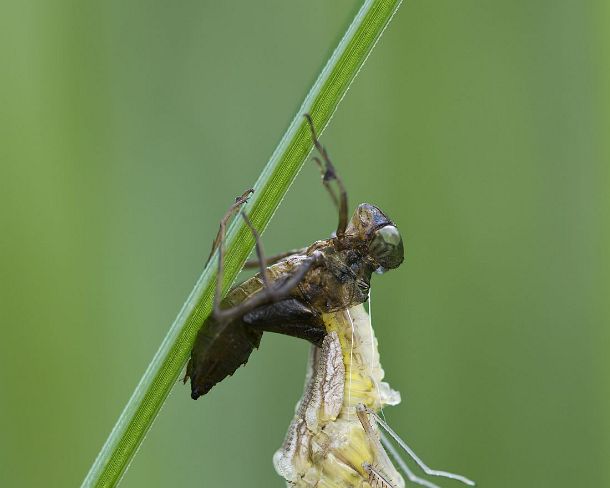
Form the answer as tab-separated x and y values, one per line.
317	293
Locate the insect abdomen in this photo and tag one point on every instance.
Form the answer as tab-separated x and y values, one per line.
222	347
326	444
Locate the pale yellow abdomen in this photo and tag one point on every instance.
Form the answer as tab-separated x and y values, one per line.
326	445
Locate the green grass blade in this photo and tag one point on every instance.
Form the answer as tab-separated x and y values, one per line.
272	185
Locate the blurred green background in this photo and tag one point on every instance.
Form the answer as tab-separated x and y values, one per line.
481	127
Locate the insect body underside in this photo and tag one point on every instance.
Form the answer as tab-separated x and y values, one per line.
330	442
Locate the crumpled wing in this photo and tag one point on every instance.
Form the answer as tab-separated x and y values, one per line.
326	445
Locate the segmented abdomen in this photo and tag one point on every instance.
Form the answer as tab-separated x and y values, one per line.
326	445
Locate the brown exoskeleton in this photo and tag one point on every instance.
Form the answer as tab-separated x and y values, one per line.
290	295
316	293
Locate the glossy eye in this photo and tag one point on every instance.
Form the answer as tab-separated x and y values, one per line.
387	248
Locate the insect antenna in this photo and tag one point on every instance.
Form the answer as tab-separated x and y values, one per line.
429	471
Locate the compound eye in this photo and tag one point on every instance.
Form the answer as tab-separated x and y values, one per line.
387	248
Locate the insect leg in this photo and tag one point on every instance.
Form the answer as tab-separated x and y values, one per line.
373	435
411	453
232	210
403	466
262	261
219	243
274	293
271	292
329	174
280	290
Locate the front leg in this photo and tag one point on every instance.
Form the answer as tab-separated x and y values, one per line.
330	174
271	292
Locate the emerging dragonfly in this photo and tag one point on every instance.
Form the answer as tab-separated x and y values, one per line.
316	293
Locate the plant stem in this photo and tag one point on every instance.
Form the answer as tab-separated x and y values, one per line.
273	183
